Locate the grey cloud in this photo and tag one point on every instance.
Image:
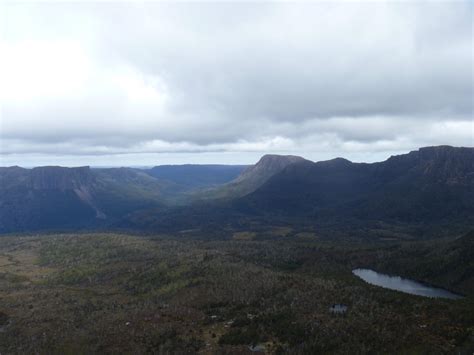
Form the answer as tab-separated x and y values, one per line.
328	63
202	78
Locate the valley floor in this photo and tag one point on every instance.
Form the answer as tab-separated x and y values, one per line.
112	293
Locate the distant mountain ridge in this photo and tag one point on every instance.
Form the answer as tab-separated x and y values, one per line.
56	177
431	189
192	176
52	197
427	187
431	183
46	177
58	197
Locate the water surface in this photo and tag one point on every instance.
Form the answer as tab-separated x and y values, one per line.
403	285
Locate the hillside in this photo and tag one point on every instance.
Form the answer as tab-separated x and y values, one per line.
431	184
46	196
192	176
252	177
444	263
425	193
56	197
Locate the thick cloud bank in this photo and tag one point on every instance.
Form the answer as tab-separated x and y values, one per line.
144	83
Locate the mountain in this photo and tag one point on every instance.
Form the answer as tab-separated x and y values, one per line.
423	193
54	197
191	176
430	189
430	184
119	191
46	196
252	177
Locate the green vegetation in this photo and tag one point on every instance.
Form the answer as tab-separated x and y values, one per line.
111	293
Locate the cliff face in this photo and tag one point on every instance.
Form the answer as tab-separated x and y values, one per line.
267	166
59	178
441	164
13	176
255	176
57	197
47	197
448	164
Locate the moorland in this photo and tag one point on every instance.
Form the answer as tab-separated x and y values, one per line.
110	293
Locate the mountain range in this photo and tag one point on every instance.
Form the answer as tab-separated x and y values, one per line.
429	186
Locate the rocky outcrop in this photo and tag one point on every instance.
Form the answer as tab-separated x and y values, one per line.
267	166
60	178
255	176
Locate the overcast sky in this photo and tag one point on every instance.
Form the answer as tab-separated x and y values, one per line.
148	83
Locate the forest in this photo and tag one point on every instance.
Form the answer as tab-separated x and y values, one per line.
271	293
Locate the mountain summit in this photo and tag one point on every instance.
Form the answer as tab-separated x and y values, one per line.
255	176
266	167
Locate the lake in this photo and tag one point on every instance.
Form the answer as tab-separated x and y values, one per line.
403	285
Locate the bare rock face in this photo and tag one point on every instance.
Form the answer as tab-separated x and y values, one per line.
440	164
267	166
252	177
256	175
57	197
448	164
60	178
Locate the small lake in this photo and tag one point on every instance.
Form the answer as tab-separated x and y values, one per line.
403	285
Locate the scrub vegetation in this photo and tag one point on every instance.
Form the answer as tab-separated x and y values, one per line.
109	293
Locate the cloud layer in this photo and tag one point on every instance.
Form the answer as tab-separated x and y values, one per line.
227	82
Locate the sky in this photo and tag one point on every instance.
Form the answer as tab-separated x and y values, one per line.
128	83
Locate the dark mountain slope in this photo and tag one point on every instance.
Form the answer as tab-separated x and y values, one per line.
306	187
429	188
119	191
435	184
59	178
428	184
45	197
423	193
189	176
252	177
56	197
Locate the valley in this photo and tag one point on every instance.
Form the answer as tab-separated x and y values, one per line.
108	293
